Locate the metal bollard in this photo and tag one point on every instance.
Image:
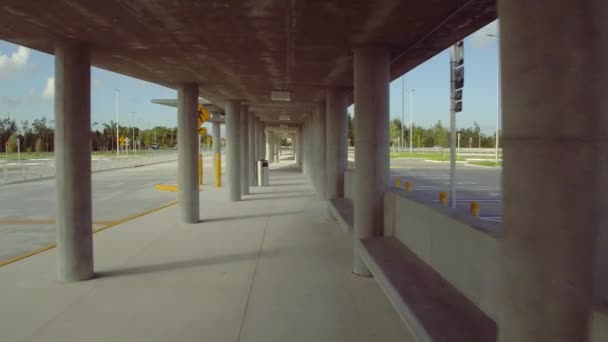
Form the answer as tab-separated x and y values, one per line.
443	198
475	208
218	170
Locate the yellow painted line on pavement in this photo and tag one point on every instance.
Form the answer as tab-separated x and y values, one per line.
165	187
114	223
132	217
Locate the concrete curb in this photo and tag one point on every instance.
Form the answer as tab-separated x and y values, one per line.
483	166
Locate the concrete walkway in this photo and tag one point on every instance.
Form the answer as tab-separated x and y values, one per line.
269	268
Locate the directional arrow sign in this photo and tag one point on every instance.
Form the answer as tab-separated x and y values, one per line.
203	115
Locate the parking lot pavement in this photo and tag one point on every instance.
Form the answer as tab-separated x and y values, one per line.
428	179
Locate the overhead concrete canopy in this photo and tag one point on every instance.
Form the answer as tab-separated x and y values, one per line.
243	50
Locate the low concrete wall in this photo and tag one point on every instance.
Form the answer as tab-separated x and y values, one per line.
462	249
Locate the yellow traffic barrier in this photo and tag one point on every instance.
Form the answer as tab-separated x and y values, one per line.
475	208
218	170
408	186
200	169
398	182
443	198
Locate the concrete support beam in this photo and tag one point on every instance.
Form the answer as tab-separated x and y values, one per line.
337	135
320	133
73	162
233	149
251	150
371	144
244	149
217	153
554	78
187	140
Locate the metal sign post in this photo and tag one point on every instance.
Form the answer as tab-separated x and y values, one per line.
456	83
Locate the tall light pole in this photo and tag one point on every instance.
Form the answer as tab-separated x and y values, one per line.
402	139
133	132
411	116
497	95
116	91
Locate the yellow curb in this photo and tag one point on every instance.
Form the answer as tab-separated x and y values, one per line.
114	223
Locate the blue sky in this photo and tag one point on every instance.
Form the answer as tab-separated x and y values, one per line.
26	89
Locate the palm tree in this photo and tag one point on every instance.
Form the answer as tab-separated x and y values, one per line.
109	130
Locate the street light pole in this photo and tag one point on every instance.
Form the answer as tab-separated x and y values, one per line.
402	139
411	116
117	133
134	148
497	96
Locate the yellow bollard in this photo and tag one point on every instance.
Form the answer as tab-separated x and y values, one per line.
408	186
398	182
200	169
443	198
475	208
218	170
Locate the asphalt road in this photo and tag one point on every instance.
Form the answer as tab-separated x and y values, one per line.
27	210
480	184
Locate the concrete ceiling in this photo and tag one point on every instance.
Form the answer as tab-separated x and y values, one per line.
237	49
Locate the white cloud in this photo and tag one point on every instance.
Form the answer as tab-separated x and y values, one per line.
14	62
481	38
49	90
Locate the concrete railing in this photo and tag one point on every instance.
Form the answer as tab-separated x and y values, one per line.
464	250
12	171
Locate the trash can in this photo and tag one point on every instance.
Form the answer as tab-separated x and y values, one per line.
263	178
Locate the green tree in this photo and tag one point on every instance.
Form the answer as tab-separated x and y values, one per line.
39	146
395	131
12	143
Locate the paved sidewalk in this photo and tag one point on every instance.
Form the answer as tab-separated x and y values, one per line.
269	268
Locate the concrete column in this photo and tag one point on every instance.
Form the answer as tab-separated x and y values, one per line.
300	145
307	149
554	79
320	150
217	138
264	141
337	135
372	144
187	164
217	153
73	162
251	150
233	149
268	144
244	149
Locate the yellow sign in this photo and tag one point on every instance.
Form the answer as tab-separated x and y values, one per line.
203	115
122	141
202	131
208	140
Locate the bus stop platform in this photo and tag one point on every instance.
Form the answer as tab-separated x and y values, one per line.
269	268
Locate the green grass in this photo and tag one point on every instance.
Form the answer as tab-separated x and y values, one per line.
440	156
485	163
